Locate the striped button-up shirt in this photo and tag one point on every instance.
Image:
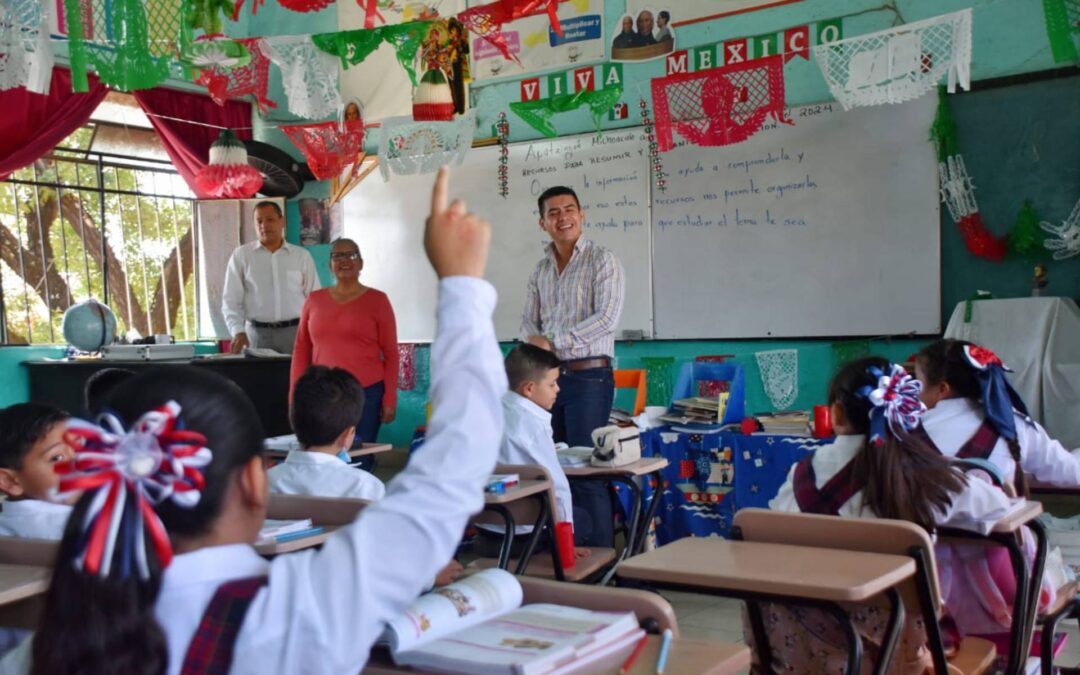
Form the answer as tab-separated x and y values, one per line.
578	308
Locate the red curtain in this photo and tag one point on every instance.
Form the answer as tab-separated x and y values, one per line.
188	142
31	125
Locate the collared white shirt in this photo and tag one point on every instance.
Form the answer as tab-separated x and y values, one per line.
321	475
265	286
578	308
527	439
33	519
976	508
953	421
321	611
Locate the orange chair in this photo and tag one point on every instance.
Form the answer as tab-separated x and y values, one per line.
633	379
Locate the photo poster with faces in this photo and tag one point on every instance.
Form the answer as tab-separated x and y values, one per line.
320	221
644	33
537	46
685	12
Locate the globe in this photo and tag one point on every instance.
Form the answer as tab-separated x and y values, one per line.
89	326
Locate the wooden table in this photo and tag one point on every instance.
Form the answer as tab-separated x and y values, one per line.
18	582
758	571
497	503
685	657
638	527
272	548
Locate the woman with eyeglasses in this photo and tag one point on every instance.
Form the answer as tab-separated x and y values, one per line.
351	326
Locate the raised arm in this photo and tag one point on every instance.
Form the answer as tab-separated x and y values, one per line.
381	562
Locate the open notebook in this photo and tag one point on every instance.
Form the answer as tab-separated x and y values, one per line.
477	625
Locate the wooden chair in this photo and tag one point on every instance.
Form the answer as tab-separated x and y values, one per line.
921	595
632	379
529	510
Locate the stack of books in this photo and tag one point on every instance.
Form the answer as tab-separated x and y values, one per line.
697	410
789	423
478	625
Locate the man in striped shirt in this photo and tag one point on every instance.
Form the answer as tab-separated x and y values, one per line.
573	303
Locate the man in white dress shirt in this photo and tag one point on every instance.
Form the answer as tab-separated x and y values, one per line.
266	284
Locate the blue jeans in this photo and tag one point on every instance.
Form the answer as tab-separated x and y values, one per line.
584	403
367	429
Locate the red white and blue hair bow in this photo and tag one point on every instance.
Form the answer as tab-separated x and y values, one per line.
999	397
895	402
131	471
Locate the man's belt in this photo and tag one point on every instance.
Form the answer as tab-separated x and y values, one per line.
274	324
587	363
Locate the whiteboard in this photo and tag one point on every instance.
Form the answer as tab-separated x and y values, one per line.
828	227
609	172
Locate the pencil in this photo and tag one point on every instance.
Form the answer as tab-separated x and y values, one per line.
661	660
629	662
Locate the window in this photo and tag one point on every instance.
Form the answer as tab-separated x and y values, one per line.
103	216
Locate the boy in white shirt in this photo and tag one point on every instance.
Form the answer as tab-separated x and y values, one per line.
31	443
325	406
533	374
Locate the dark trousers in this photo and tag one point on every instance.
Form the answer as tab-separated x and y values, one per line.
367	429
584	404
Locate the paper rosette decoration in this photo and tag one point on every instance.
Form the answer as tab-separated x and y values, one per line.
433	100
328	146
410	147
353	46
223	84
309	76
26	56
128	43
957	190
228	175
899	64
487	20
719	106
1065	239
538	113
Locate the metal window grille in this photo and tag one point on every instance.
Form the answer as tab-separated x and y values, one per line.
79	224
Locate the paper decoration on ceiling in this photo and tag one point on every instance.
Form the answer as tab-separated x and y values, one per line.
538	113
410	147
226	83
779	370
957	190
328	146
309	76
432	100
720	106
1065	238
353	46
207	15
294	5
215	52
117	42
26	56
228	175
1025	239
1062	27
487	20
899	64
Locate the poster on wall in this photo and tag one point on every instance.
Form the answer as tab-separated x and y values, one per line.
532	40
320	221
693	11
647	34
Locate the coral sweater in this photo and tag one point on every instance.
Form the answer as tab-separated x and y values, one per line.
359	336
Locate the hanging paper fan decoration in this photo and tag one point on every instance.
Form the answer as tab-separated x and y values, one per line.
328	146
223	84
26	56
433	100
487	20
228	175
128	43
215	51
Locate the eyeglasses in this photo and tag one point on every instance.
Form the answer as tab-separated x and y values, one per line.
348	255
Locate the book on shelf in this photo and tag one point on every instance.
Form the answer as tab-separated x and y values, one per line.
789	423
286	530
478	625
697	410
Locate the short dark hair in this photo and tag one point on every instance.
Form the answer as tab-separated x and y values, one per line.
22	425
555	191
529	363
267	202
100	385
664	15
325	402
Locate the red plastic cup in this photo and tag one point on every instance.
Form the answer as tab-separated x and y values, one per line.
564	539
823	421
224	346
